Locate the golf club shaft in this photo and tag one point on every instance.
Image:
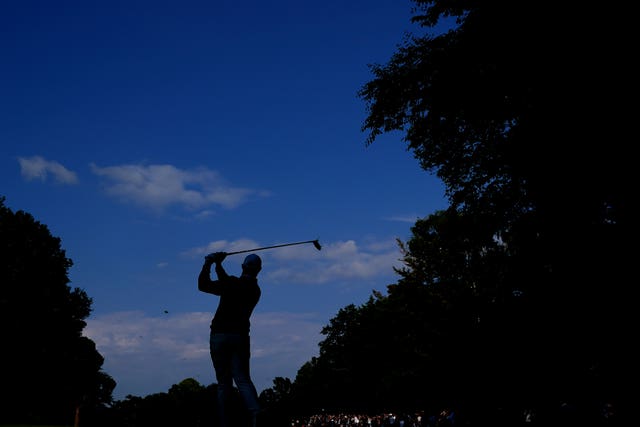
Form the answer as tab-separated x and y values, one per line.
315	243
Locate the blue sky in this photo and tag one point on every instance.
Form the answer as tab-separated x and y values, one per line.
146	134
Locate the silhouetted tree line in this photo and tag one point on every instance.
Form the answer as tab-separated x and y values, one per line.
49	372
186	404
515	298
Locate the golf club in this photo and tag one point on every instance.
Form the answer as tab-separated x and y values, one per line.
316	244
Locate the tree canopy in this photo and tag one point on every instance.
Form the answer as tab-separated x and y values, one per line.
516	296
48	368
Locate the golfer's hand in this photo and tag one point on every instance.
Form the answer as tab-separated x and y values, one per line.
215	257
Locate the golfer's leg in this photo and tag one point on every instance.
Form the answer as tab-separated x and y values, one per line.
221	356
242	377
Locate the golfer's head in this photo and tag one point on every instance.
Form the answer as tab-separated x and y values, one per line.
252	265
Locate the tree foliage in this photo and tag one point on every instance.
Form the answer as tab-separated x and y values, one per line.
186	404
48	368
516	296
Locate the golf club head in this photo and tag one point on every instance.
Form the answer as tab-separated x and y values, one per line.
317	245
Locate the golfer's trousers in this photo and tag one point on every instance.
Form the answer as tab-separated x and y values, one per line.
230	355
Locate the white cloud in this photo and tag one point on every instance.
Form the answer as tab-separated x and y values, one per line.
148	355
409	219
222	245
160	186
335	262
37	167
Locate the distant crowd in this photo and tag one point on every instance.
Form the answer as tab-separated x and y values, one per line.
565	415
444	418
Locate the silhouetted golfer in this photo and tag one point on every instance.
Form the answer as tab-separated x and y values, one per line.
229	340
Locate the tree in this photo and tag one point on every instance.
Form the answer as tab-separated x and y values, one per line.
48	368
187	404
514	297
277	403
518	110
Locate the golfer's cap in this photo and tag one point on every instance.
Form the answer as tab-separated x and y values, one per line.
252	261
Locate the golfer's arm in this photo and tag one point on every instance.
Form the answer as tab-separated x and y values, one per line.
205	284
220	272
